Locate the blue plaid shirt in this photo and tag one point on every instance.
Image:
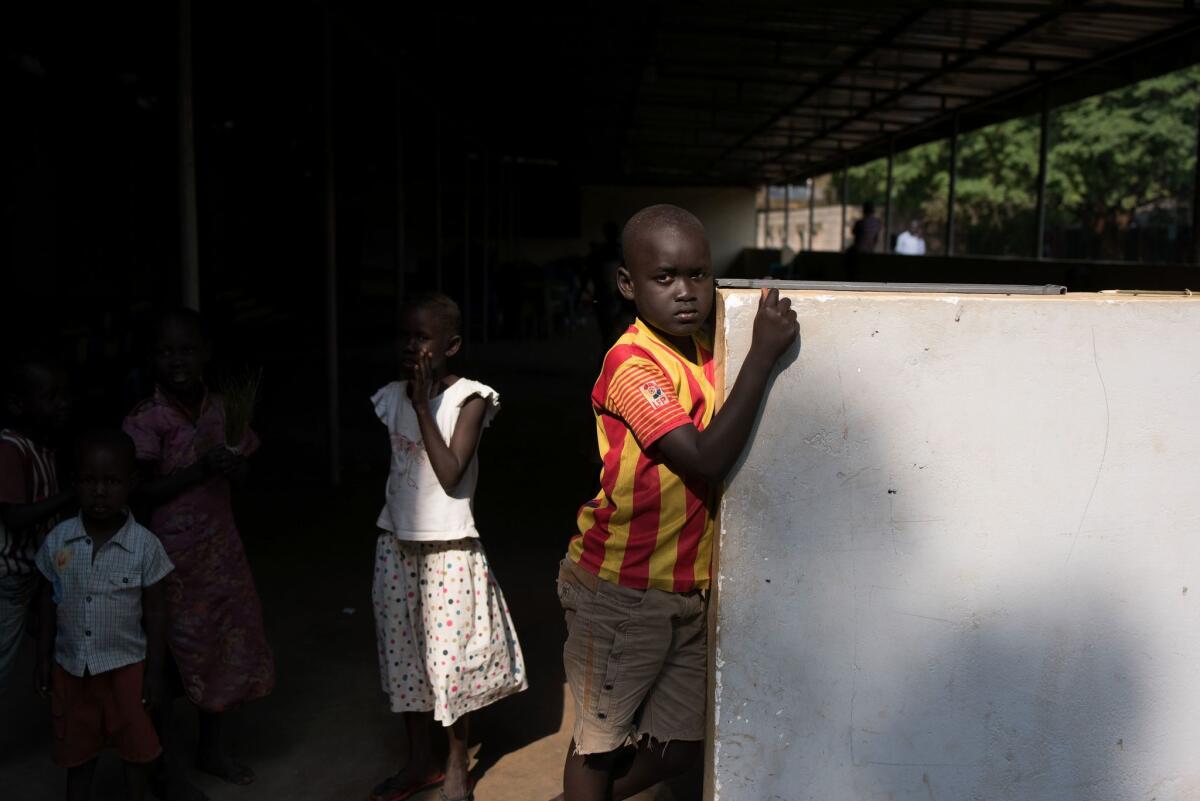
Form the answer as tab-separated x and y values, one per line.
100	599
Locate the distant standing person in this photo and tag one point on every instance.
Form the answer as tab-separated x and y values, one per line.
866	230
910	242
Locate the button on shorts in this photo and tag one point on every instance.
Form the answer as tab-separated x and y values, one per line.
636	661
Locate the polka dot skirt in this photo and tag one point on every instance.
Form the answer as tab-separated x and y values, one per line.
446	641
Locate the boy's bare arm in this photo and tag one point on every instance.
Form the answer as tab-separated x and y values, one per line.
154	620
710	454
20	516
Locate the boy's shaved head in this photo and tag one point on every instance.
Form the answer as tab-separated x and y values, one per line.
655	218
113	440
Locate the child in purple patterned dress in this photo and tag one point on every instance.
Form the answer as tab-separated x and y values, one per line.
215	629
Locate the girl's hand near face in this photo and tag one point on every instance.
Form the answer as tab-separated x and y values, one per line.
421	386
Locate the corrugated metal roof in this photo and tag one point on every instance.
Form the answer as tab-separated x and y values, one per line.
771	91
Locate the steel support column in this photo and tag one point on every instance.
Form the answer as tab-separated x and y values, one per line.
787	220
1043	154
189	240
951	198
333	396
1195	254
887	203
845	190
812	211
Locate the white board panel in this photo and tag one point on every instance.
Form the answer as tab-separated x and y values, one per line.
959	560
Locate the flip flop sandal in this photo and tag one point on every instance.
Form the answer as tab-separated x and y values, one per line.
409	792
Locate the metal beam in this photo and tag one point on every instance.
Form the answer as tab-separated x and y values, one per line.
995	44
860	54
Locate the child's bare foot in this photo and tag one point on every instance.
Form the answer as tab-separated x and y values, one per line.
223	767
458	784
408	781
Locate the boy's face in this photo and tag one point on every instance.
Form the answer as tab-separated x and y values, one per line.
668	275
104	483
44	402
180	357
424	331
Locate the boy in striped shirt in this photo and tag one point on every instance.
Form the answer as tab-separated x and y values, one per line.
634	583
38	403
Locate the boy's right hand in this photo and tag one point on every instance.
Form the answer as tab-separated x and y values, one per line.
775	326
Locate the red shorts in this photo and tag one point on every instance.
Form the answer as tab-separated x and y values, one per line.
91	712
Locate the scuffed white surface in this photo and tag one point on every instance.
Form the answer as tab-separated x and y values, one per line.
959	559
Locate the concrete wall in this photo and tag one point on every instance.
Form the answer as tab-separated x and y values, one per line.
960	559
727	214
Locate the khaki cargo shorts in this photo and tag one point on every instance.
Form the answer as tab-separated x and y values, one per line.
636	660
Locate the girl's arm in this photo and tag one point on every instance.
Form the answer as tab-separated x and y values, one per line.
162	489
449	461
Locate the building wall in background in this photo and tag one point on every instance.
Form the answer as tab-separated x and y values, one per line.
727	213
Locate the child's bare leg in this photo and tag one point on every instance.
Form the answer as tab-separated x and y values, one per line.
136	776
166	775
419	768
458	780
79	781
589	777
631	773
654	763
211	756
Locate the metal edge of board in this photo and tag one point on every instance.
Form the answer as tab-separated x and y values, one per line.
868	286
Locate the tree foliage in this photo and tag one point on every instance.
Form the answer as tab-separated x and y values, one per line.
1116	160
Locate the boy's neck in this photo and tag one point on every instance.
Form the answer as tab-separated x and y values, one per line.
684	344
101	531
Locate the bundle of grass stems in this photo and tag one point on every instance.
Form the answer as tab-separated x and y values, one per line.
239	393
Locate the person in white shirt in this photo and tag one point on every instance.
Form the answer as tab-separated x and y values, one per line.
910	242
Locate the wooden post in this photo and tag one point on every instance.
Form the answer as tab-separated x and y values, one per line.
189	240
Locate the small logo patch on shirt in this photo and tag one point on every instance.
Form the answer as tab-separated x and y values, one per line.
62	558
654	394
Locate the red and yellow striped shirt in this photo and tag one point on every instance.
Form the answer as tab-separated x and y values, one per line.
648	527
